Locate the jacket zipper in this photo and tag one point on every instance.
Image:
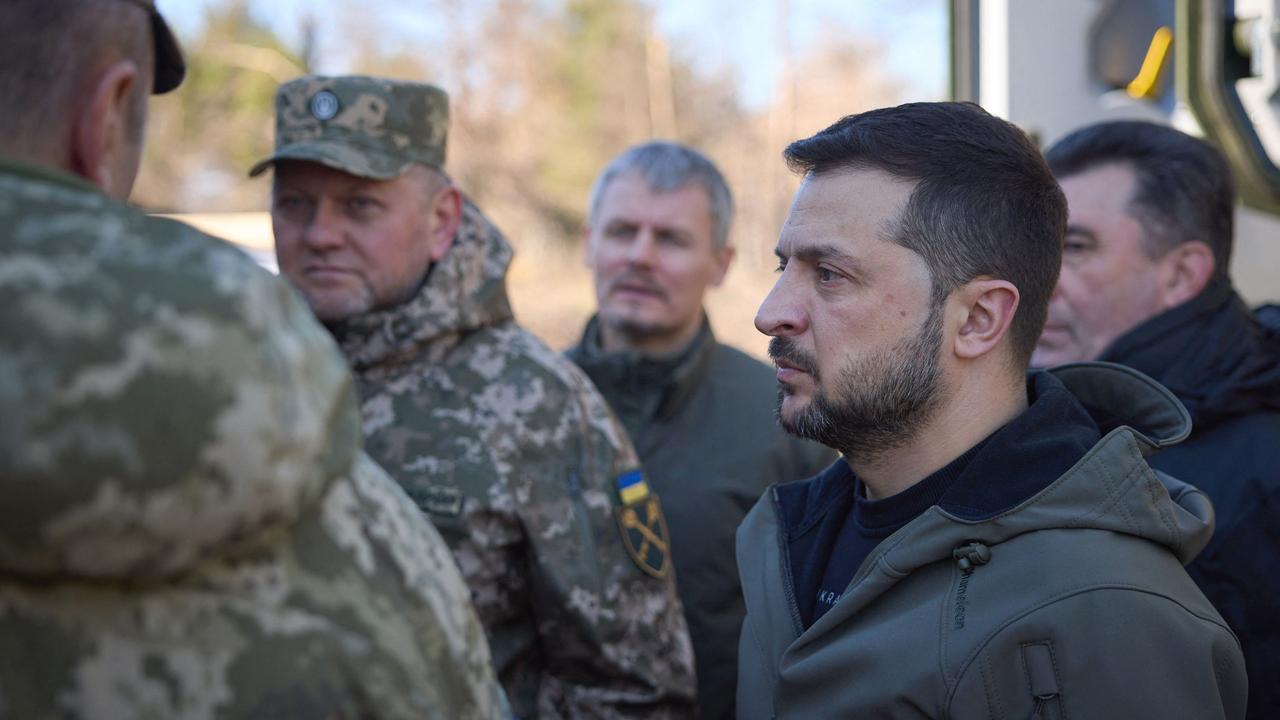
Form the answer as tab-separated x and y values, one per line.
788	582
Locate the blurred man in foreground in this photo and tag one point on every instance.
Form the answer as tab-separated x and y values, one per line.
188	527
1144	283
700	413
504	444
992	543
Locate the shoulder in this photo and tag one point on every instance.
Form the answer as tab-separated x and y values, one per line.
516	365
1105	652
1244	445
741	366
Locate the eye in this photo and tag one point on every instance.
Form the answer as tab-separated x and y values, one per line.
826	275
361	203
782	265
1076	243
673	239
620	231
289	203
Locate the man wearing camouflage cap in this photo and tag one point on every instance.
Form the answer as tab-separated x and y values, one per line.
189	528
504	444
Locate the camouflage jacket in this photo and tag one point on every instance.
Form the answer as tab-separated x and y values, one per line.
188	527
518	460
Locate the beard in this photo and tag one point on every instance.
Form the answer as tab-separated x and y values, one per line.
875	403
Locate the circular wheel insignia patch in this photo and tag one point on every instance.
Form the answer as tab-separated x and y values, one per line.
324	105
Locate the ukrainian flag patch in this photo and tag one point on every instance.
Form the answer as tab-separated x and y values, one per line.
632	488
643	527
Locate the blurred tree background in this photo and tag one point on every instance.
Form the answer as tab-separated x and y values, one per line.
543	93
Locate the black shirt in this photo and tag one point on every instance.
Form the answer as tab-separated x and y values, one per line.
867	522
830	527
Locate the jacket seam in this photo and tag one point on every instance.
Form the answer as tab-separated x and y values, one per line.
1066	594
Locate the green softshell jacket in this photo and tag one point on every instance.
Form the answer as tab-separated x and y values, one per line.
1072	604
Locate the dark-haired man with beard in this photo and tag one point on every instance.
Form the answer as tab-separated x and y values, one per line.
993	543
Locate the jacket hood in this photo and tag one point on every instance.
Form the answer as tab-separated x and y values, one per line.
1217	357
1110	488
465	291
165	401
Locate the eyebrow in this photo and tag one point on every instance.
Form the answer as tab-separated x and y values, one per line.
1081	231
815	253
618	222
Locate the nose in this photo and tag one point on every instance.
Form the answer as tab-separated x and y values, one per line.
782	314
322	231
643	248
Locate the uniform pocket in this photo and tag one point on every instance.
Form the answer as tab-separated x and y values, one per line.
1042	681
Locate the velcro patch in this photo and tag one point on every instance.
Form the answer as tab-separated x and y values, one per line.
445	501
643	526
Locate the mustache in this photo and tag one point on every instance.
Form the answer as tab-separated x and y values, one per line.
640	279
781	348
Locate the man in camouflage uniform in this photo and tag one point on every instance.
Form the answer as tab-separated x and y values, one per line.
503	443
189	528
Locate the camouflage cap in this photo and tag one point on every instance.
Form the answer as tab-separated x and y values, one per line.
170	66
370	127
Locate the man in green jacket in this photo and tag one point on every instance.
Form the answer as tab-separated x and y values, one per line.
993	543
700	413
188	527
502	442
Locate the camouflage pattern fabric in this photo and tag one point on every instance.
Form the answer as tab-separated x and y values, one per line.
189	528
371	127
517	458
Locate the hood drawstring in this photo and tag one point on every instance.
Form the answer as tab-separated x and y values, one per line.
967	556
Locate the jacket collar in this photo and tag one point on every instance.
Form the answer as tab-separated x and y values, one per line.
1109	488
669	380
49	175
1211	352
465	291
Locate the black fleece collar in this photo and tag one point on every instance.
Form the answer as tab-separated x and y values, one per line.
1015	462
1211	352
662	384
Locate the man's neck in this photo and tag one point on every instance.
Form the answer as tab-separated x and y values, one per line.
972	413
651	345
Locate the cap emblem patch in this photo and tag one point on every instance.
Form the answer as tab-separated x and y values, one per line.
324	105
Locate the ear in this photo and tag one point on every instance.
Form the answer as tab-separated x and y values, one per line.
446	215
1184	271
987	308
588	249
723	258
100	127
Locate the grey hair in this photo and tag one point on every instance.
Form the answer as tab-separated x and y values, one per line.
667	167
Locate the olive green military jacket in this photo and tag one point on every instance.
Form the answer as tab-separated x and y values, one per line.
519	463
703	422
188	528
1072	604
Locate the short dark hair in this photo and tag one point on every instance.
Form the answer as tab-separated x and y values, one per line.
1183	191
46	46
984	204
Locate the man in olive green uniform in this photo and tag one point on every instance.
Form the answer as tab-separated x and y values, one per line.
189	528
505	445
701	414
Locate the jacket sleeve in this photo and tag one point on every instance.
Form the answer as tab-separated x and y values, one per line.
1141	656
614	635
